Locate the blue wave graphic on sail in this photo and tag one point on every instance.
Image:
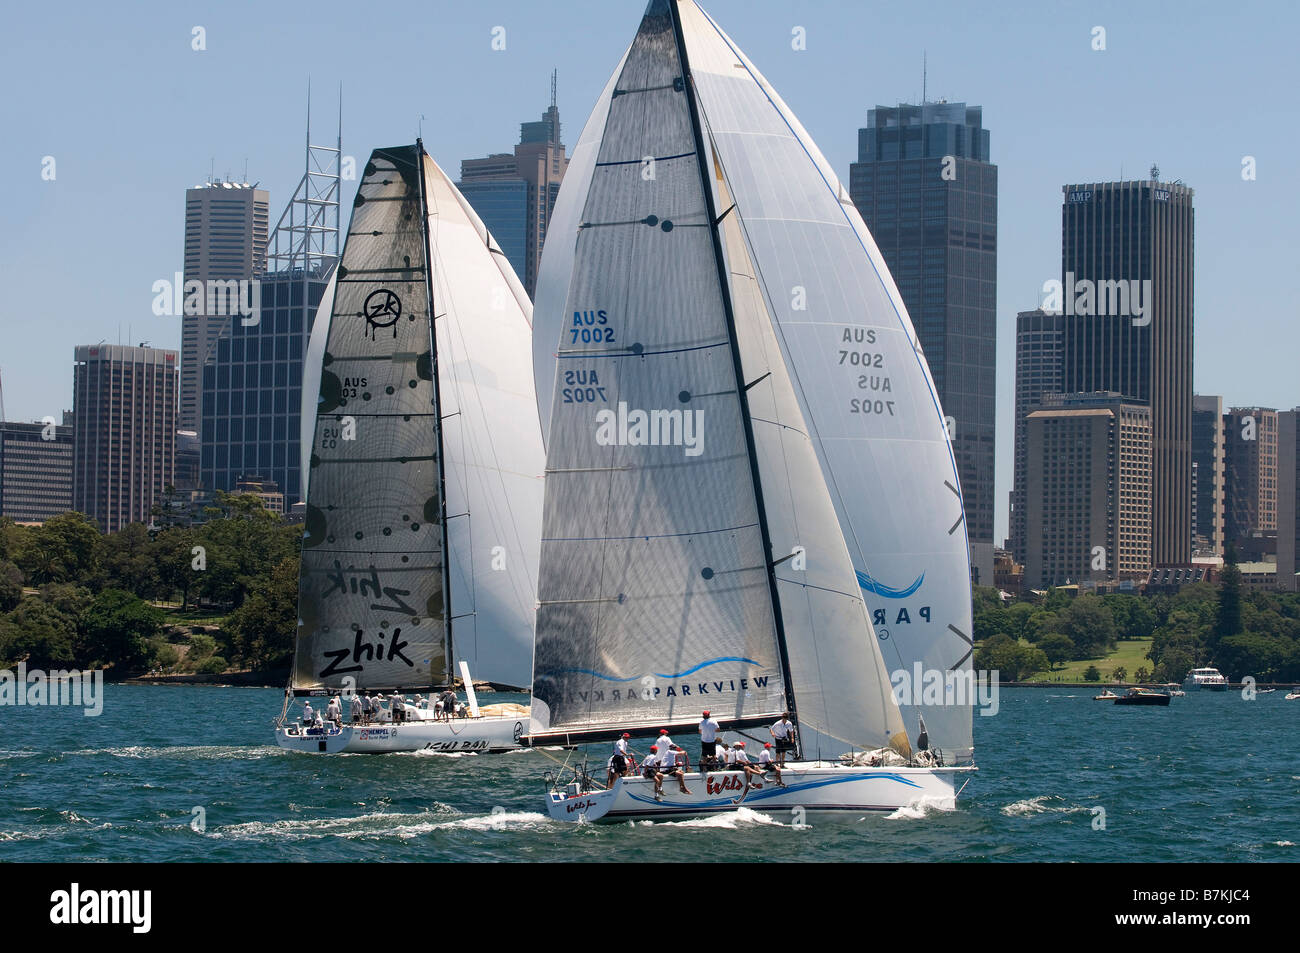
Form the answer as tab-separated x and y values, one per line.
682	674
888	592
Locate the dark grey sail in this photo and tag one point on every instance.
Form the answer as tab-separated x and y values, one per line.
372	589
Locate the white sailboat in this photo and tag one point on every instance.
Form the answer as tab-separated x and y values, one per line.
703	544
425	472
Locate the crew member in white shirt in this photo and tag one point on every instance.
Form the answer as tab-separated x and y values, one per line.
766	764
671	767
356	709
308	715
783	735
708	739
650	769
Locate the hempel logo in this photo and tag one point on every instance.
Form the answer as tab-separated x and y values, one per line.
77	906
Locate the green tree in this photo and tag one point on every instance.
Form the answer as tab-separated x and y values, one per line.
41	635
1227	616
173	553
1142	674
262	629
1092	674
127	560
1011	659
118	628
11	586
1057	647
1090	625
1120	674
64	548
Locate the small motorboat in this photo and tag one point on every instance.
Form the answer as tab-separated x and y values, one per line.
1107	695
1266	691
1142	696
1293	694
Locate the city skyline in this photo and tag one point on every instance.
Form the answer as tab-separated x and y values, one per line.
1079	122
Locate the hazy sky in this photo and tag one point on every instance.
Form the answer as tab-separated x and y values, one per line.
133	115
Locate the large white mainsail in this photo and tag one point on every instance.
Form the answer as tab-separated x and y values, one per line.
855	365
401	553
655	591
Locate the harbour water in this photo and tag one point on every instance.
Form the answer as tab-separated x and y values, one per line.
193	774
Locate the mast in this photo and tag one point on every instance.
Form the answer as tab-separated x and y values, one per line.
742	391
437	410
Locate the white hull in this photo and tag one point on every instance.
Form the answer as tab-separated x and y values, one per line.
460	734
813	787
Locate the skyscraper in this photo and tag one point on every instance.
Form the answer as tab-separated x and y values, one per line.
1087	490
35	470
1038	373
251	382
1288	498
1250	472
1208	474
514	193
124	441
1126	262
225	240
925	186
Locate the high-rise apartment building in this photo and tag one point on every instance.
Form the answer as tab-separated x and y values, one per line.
1038	373
1087	490
1250	472
1126	263
927	190
1207	474
514	194
124	440
225	240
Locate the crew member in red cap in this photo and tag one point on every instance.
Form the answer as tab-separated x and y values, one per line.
766	764
620	763
650	769
708	741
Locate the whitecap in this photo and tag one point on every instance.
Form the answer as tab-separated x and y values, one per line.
923	807
1042	804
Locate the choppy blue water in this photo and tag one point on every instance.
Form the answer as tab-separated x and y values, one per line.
1212	777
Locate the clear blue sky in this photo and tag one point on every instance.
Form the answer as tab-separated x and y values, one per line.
133	116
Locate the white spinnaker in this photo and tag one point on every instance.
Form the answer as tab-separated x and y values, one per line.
558	253
320	332
847	337
491	440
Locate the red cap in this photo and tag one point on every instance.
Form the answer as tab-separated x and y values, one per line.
767	744
740	744
706	713
663	731
626	735
654	747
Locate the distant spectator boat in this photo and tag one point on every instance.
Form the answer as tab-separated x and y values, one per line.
1107	695
1142	696
1205	680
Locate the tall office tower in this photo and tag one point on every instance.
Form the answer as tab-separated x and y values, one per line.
1126	263
1250	471
514	193
124	440
1087	490
925	187
1208	474
35	470
252	381
1288	498
225	240
1038	373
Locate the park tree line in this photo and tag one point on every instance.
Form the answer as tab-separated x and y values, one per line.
1242	634
71	596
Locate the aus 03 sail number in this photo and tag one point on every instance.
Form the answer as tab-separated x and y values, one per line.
853	354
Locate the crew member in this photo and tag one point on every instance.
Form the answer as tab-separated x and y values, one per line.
650	769
766	764
671	767
783	735
708	738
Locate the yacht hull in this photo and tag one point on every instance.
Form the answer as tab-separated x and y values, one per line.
810	787
486	734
